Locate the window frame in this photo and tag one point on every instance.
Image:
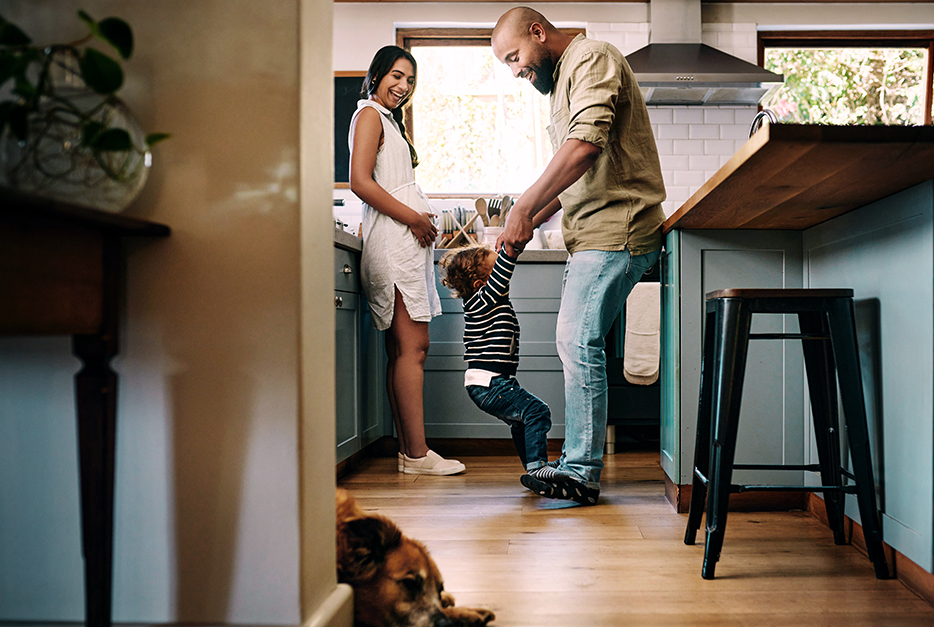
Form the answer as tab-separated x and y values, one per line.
858	39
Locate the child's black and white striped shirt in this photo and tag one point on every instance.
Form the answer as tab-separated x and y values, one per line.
491	329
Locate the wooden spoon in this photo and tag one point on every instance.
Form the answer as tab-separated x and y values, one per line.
481	211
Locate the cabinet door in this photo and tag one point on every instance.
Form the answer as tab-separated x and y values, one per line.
771	418
347	372
375	416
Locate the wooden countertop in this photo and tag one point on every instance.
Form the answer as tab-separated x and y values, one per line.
791	176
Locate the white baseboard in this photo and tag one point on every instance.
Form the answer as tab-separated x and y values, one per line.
336	611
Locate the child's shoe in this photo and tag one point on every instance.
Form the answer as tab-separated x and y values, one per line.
548	482
431	464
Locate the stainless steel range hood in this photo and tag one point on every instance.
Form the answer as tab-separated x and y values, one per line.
676	69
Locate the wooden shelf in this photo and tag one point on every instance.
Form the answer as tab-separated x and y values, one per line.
14	204
796	176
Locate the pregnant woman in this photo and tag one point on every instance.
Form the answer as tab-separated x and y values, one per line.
398	243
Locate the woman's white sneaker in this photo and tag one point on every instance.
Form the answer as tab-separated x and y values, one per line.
431	464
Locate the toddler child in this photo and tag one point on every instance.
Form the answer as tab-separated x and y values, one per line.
481	278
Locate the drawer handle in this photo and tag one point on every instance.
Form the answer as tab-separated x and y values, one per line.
338	301
347	269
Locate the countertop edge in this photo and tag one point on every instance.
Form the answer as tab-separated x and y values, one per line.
348	241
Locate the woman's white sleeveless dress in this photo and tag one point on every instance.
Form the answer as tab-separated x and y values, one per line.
392	257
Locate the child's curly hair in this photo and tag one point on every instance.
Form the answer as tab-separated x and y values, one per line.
462	269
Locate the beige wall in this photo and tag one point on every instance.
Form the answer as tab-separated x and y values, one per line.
208	490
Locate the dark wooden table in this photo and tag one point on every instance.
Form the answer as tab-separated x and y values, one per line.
61	273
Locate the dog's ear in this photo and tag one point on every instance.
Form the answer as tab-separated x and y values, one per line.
364	546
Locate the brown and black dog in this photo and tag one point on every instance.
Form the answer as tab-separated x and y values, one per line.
394	580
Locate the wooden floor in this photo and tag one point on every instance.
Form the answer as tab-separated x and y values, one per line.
546	563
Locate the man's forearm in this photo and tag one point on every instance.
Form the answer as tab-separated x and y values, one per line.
569	164
545	214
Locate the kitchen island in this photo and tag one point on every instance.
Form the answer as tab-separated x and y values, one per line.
815	207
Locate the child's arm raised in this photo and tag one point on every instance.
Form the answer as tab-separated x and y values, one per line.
367	138
498	283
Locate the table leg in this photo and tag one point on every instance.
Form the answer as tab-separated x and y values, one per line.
96	405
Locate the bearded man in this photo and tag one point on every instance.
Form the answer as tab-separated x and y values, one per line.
606	176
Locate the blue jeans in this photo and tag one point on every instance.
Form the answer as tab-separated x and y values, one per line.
596	285
528	417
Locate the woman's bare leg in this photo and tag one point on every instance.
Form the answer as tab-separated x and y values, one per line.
391	354
405	376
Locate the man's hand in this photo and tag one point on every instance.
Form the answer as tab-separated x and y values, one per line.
424	229
517	234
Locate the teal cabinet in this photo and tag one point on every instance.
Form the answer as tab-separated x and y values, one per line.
361	405
885	252
771	423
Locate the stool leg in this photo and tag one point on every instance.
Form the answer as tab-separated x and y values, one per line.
846	353
702	434
733	322
822	388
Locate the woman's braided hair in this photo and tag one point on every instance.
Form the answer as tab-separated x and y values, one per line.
462	269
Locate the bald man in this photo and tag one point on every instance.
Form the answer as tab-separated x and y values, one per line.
605	175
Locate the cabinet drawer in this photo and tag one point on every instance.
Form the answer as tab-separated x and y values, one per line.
346	270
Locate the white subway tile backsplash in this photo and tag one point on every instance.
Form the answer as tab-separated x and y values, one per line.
719	147
673	131
690	146
734	131
704	131
691	115
718	116
659	115
718	26
704	162
665	146
689	178
676	161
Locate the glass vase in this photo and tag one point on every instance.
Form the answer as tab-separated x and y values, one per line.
53	163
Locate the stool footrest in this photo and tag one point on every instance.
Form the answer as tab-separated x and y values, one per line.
792	488
788	336
812	467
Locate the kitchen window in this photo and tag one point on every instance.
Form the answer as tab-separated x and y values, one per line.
862	78
477	129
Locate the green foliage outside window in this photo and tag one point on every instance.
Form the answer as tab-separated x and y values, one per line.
848	86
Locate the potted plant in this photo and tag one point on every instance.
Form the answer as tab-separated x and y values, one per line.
64	133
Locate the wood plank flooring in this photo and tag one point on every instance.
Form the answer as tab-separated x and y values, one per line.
542	563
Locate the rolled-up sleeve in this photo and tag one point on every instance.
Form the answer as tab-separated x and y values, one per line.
594	90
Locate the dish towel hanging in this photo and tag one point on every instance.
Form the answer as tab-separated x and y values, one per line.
642	343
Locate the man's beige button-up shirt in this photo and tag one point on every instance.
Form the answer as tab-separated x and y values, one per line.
616	204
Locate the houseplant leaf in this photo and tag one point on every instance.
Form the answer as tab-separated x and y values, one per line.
113	139
118	34
11	35
111	30
100	72
155	138
90	132
18	121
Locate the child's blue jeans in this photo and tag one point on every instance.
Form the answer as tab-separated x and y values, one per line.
528	417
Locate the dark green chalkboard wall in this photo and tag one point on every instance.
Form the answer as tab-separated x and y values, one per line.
346	94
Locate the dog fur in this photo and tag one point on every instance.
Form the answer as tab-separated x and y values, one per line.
394	579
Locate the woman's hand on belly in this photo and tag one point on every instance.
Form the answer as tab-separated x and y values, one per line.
423	228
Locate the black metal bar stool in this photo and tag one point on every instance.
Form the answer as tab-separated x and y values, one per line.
828	334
